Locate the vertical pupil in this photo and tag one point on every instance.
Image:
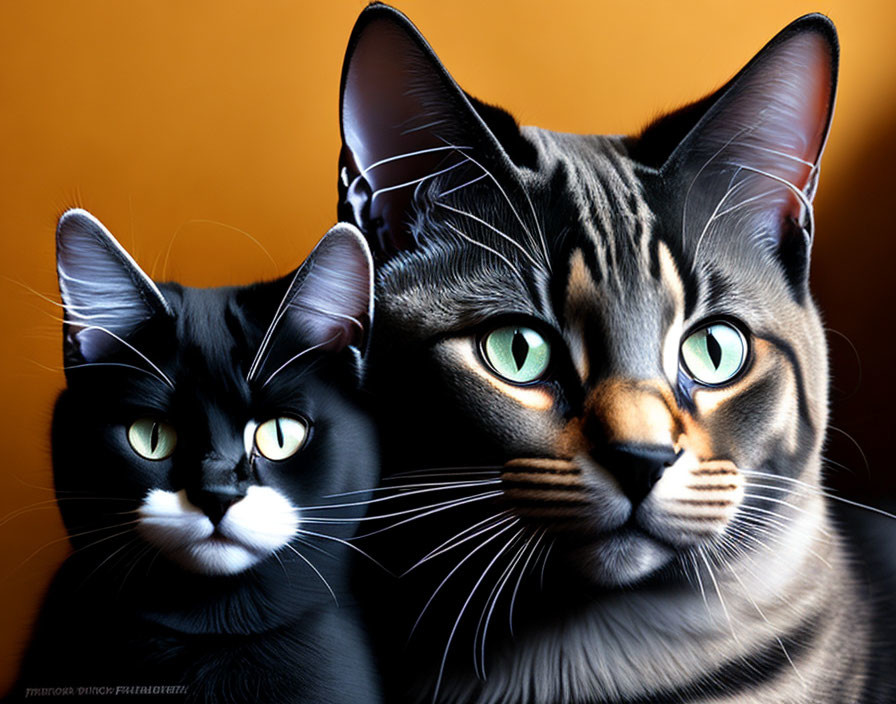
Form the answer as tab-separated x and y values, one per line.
279	432
713	348
519	348
154	437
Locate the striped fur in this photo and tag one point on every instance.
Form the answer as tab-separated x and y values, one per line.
728	581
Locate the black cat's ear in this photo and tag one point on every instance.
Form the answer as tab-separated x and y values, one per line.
106	296
403	120
749	164
327	307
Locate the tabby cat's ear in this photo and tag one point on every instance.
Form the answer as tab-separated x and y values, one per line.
328	305
106	296
750	163
403	120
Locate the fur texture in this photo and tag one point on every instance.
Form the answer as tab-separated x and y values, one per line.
617	527
194	450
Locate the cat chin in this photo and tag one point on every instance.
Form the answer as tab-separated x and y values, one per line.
621	558
251	530
216	557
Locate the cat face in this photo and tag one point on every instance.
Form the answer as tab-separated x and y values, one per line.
621	326
206	424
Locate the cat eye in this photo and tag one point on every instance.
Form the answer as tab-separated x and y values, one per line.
280	438
152	439
715	353
517	353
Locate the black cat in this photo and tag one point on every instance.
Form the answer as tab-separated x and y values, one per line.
198	432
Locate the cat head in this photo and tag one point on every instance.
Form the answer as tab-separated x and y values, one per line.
203	424
622	325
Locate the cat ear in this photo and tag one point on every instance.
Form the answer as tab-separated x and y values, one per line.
403	120
328	305
105	294
750	163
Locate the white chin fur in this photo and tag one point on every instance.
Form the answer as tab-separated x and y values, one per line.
622	558
252	529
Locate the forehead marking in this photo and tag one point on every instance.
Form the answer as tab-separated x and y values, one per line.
673	284
581	293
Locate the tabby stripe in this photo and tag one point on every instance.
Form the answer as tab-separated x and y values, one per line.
543	496
704	502
713	472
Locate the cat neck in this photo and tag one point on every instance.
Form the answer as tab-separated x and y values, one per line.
768	610
268	597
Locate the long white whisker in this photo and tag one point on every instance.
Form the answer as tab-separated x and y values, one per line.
493	598
347	544
510	522
464	608
401	487
457	188
379	517
480	497
475	243
404	494
798	192
719	593
296	356
519	580
387	160
133	349
490	227
445	547
316	571
386	189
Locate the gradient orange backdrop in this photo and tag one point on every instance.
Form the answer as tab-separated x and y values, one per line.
204	134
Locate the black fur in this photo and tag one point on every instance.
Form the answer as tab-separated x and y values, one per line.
119	613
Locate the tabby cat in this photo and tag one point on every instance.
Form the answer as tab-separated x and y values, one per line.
194	448
605	382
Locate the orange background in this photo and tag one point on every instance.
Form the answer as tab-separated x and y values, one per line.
189	126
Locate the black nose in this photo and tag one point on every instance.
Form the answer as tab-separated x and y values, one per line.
636	467
214	503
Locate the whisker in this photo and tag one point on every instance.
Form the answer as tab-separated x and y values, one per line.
348	545
457	188
434	471
492	228
297	356
481	497
493	597
162	375
475	243
464	608
719	593
441	549
387	160
508	525
416	180
404	512
316	571
519	580
402	495
401	487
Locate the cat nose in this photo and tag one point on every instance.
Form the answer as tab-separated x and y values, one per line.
637	467
214	503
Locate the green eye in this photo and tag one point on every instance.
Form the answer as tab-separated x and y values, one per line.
517	353
152	439
715	353
279	438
